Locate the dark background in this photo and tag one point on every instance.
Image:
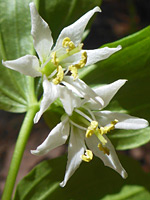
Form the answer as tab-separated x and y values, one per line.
118	19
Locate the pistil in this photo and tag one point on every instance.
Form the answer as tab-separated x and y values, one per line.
59	76
48	68
99	132
55	62
81	64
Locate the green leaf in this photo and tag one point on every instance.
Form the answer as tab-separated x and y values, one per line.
15	41
131	63
91	181
129	139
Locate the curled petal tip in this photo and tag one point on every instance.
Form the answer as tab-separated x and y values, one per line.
146	123
124	174
36	118
34	152
98	9
4	63
119	47
31	4
62	184
122	81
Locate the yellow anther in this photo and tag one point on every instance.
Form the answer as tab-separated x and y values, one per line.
83	60
54	59
65	41
93	126
104	149
103	130
68	43
114	122
74	71
88	156
81	64
106	129
59	76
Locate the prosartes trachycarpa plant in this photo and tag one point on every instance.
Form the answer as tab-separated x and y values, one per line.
100	99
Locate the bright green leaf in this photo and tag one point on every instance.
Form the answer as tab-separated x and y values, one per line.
92	181
130	139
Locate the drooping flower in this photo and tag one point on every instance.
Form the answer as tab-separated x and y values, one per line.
87	129
54	63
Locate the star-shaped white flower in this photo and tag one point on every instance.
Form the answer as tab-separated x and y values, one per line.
87	129
54	63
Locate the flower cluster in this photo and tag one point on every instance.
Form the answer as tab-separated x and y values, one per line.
84	122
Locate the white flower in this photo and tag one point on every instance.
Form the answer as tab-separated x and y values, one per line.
88	129
54	63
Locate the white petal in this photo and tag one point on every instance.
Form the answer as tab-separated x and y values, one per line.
69	100
97	55
125	121
93	56
41	34
110	160
83	90
107	92
51	93
56	137
75	150
27	65
75	30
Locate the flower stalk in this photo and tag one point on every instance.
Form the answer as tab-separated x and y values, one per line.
18	152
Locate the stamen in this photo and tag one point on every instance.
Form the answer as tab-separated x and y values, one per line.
88	156
53	74
91	113
54	59
83	60
104	149
59	76
106	129
77	125
81	64
74	71
66	72
68	43
91	129
83	114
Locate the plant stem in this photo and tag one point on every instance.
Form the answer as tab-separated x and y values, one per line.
18	152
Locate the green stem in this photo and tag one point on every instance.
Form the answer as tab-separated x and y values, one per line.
18	152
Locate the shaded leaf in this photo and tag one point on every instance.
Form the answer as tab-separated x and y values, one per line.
91	181
60	14
15	41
